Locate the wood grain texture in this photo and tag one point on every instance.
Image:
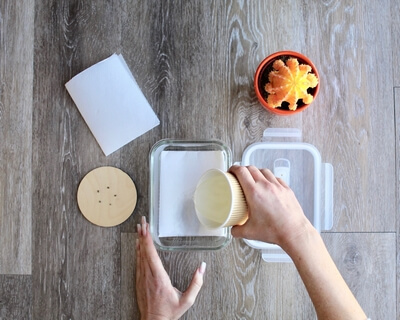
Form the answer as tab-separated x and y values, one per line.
75	264
194	62
129	308
15	297
367	264
251	29
352	120
395	41
16	83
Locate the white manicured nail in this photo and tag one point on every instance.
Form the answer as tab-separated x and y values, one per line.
203	267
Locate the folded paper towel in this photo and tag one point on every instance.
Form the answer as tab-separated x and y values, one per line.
112	104
180	172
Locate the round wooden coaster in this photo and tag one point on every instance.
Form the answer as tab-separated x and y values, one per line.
107	196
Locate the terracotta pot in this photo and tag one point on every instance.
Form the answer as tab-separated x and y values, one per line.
261	78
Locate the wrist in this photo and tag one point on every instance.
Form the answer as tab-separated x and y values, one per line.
298	240
155	317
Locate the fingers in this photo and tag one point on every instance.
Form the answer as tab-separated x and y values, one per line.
249	175
138	262
267	174
189	296
140	270
282	182
256	173
272	178
148	253
245	177
143	227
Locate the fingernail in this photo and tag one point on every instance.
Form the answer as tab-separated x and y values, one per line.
202	268
139	229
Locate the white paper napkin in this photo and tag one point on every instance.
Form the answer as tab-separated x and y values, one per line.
112	104
180	171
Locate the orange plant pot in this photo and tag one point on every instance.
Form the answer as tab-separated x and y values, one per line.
261	79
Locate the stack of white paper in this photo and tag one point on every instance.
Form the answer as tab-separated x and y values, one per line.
112	103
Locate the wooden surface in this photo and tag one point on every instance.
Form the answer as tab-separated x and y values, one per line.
16	87
194	61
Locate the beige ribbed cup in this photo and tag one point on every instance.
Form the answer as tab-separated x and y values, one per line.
219	200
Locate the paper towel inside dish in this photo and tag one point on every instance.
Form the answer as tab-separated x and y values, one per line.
180	172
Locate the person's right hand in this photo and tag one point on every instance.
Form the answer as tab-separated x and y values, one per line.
275	215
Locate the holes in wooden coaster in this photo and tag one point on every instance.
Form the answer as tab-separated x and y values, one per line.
107	196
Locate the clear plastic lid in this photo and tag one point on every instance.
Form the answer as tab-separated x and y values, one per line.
299	165
175	169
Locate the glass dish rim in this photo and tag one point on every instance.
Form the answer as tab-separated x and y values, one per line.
157	148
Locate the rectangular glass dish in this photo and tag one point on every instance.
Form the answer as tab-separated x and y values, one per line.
175	168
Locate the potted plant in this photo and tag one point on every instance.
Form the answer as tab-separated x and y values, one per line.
286	82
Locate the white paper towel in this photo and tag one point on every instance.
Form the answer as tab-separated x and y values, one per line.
180	172
112	103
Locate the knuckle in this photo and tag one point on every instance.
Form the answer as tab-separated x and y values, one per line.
266	171
252	167
240	169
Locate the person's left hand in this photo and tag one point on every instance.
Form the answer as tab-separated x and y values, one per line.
156	297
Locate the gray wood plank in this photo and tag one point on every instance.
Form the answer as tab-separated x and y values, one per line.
367	262
15	297
395	41
129	308
352	120
251	35
142	49
16	79
397	110
76	265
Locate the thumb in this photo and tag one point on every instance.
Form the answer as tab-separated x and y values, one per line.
238	231
189	296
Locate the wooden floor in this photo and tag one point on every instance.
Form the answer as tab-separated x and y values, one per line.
194	61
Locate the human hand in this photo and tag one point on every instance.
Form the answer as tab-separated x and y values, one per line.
156	297
275	215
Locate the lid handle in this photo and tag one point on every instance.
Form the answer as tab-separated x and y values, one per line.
291	134
276	257
327	196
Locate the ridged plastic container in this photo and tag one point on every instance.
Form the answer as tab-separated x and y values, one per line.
219	200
